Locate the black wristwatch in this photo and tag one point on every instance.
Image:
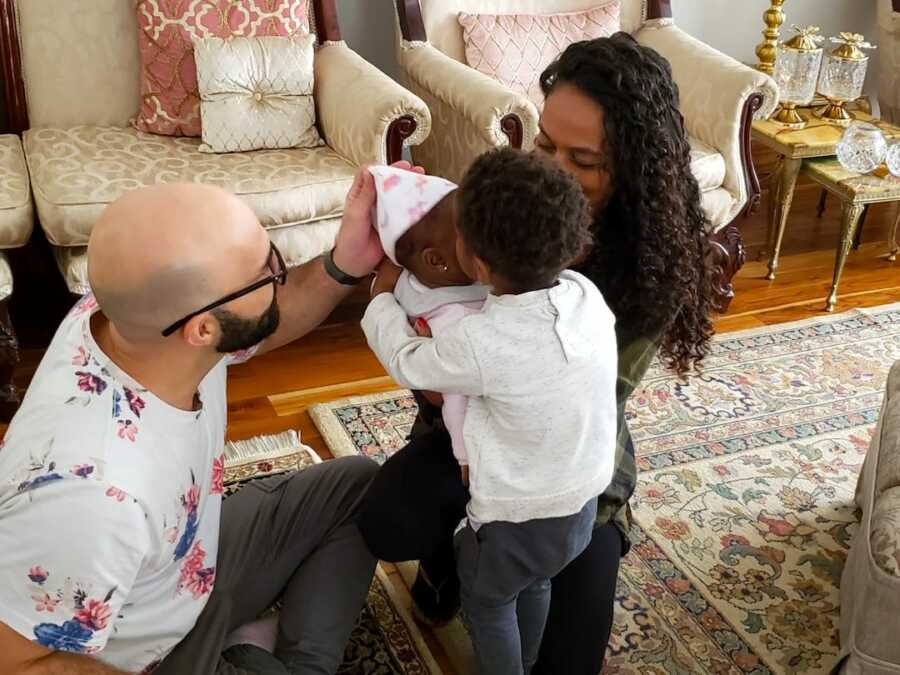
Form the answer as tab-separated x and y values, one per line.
337	273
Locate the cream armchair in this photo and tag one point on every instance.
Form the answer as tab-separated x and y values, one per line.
889	57
74	69
471	112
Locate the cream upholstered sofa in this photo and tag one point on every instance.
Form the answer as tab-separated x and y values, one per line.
471	112
870	585
78	87
889	57
16	223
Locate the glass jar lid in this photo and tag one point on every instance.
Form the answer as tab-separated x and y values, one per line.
807	39
850	47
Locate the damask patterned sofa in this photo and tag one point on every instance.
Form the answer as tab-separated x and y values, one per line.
16	223
471	112
72	79
870	586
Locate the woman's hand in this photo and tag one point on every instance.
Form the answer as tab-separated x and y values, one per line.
424	330
386	276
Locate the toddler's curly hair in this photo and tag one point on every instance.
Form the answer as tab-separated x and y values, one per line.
524	216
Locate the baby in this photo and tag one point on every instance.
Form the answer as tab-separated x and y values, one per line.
416	221
538	364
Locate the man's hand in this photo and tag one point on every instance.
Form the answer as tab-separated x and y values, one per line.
357	249
386	277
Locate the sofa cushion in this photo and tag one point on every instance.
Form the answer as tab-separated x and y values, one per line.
707	165
170	101
16	212
256	93
719	207
514	49
76	172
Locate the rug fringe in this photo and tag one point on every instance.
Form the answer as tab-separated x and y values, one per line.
272	446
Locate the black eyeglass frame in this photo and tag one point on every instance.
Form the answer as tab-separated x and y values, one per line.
277	278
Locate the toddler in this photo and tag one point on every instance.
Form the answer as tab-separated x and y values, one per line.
538	364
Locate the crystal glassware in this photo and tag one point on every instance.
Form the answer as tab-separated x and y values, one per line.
843	76
892	159
796	71
862	148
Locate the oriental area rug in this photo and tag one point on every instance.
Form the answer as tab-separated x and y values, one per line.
743	513
385	640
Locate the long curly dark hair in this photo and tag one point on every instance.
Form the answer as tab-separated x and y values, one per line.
650	247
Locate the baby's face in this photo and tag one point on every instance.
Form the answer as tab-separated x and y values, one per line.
431	247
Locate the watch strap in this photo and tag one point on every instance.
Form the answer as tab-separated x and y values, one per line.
337	273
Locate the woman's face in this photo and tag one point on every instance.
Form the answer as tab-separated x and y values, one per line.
573	133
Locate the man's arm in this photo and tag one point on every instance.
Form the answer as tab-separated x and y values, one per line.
310	293
19	656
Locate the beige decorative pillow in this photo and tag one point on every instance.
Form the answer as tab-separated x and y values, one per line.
256	93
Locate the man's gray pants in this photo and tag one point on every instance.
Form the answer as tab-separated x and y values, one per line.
292	537
504	572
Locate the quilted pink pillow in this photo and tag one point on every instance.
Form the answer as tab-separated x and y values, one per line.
514	49
170	102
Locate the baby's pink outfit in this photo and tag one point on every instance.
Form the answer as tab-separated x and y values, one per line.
440	308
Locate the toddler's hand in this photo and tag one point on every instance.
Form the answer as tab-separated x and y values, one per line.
386	276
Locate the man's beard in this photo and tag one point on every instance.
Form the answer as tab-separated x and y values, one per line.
239	333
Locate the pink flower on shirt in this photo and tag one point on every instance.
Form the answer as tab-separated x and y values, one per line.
195	578
81	358
127	429
192	497
44	603
38	574
90	383
217	485
135	402
94	615
116	493
82	470
87	304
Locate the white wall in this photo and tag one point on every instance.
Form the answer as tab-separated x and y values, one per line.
733	26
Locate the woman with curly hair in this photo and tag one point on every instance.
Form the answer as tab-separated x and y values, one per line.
611	119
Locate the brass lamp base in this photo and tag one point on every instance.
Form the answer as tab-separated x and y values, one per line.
836	113
788	117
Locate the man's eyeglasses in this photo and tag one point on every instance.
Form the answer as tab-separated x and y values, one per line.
278	276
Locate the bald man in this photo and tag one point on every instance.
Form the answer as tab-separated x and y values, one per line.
113	556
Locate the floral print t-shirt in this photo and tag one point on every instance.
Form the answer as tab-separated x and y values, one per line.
109	506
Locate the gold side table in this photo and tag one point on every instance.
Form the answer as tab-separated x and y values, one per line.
855	191
817	139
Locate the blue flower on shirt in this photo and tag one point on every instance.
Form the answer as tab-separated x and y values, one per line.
70	636
51	475
190	502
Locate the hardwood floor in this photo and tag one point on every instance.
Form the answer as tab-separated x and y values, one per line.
272	393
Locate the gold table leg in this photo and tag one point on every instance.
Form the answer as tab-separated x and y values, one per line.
787	181
849	223
892	240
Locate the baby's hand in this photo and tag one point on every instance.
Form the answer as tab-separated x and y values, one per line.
386	277
465	474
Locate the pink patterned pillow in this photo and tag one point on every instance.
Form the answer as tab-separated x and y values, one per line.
170	102
515	48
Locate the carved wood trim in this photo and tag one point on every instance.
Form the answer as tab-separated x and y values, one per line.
328	27
512	127
727	257
659	9
751	179
13	84
400	129
9	357
412	26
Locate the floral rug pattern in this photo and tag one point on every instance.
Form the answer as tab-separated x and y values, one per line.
744	507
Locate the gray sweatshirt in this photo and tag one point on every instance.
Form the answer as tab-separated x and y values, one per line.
540	371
